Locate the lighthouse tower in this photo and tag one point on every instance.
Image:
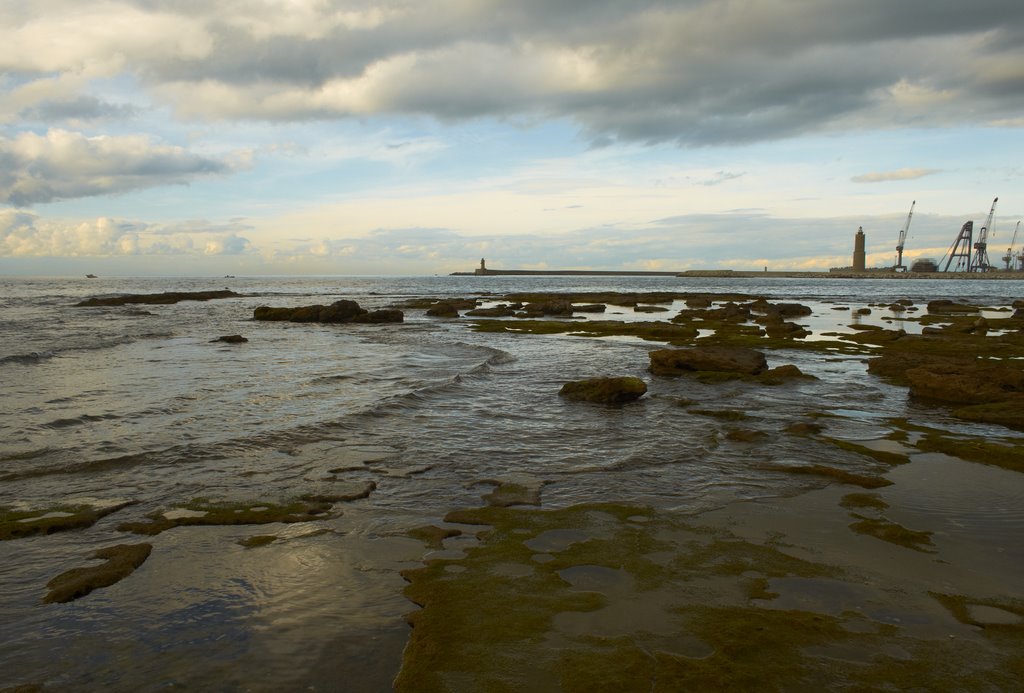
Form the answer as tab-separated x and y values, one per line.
858	250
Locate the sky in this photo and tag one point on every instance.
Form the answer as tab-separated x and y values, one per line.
410	137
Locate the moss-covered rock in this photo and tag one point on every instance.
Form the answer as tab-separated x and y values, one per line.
203	512
343	311
16	524
121	561
606	390
711	358
165	298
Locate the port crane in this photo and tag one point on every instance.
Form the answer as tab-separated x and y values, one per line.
1009	258
903	237
981	263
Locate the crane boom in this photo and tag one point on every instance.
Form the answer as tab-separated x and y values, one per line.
981	246
903	237
1008	258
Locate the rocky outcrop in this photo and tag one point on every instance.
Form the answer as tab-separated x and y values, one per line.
502	311
976	389
553	307
231	339
343	311
157	299
708	358
121	561
615	390
443	310
946	306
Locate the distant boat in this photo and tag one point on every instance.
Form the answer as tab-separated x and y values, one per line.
229	276
90	276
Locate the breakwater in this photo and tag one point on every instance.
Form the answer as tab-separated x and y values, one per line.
726	274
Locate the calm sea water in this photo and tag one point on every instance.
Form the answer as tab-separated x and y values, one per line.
135	402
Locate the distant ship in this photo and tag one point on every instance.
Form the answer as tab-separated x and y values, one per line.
90	276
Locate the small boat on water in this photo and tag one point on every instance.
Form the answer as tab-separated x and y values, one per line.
90	276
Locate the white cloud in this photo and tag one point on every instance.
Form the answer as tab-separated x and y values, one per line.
24	234
62	164
900	174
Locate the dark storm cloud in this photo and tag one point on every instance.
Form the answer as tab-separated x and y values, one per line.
694	72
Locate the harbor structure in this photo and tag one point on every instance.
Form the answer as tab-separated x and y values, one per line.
858	251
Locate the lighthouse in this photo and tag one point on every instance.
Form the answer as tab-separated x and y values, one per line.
858	250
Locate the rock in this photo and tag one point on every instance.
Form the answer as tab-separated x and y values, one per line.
340	311
863	311
708	358
785	330
786	371
380	316
875	336
614	390
698	302
591	308
648	309
443	310
553	307
157	299
503	311
343	311
231	339
905	302
729	311
977	383
897	308
946	306
789	309
122	560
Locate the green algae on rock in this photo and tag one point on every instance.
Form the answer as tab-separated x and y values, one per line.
165	298
840	475
892	532
509	493
863	500
203	512
891	458
606	390
629	598
651	331
498	629
121	561
16	524
432	535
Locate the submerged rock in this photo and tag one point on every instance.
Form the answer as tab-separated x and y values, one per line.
122	560
615	390
157	299
230	339
707	358
16	524
503	311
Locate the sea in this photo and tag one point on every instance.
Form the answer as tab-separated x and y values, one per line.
136	402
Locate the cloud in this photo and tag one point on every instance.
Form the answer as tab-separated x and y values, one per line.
900	174
77	108
62	165
696	73
25	234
